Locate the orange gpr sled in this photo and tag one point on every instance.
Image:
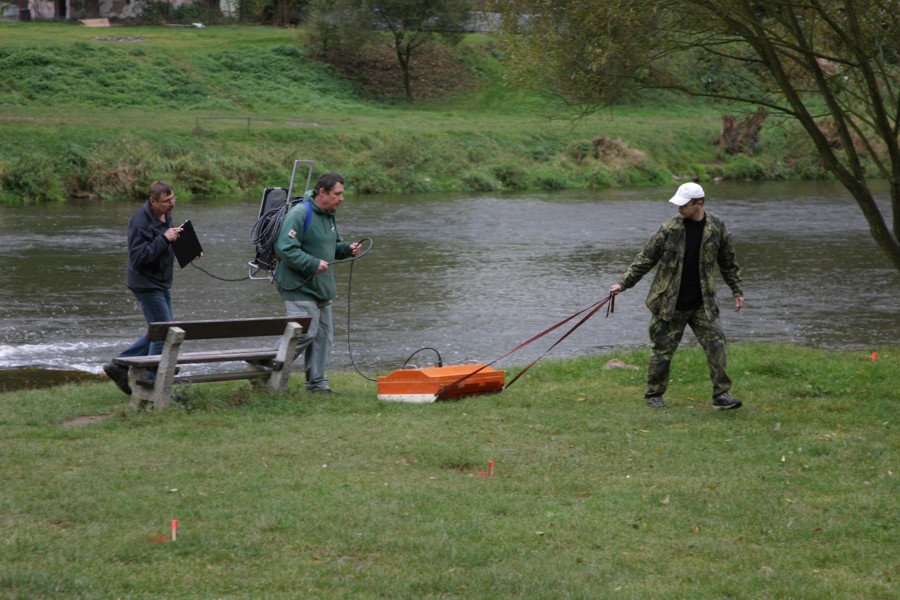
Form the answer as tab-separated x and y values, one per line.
423	386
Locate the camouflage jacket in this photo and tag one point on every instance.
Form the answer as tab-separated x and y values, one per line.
666	247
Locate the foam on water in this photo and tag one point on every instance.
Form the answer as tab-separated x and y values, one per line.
50	356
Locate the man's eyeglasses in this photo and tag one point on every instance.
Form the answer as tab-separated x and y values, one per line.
167	200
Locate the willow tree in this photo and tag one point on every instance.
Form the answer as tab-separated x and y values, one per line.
831	65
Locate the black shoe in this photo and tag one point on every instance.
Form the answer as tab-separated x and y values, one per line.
656	402
726	402
320	391
119	375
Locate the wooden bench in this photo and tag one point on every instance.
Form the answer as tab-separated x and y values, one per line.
271	364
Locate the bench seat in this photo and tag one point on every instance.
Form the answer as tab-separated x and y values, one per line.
206	356
152	377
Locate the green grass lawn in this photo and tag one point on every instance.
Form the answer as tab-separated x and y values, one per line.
594	495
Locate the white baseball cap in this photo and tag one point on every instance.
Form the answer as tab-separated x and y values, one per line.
687	192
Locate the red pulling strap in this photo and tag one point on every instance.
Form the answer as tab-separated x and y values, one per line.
611	300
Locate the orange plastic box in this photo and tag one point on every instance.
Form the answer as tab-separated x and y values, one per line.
421	386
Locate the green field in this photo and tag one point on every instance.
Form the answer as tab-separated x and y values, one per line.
223	111
593	494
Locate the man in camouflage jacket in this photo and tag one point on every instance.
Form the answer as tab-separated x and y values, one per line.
687	248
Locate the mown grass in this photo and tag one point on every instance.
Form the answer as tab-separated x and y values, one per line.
83	115
593	494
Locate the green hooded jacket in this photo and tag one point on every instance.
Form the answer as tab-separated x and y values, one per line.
666	248
299	253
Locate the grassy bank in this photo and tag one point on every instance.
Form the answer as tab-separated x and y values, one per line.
593	494
223	111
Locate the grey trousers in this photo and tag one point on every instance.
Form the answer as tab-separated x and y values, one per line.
315	344
666	335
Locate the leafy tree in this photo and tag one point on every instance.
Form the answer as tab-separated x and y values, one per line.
831	65
274	12
338	27
411	24
285	12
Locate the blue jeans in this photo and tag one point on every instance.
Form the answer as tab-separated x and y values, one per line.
156	306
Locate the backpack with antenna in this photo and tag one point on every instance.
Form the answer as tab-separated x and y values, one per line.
275	204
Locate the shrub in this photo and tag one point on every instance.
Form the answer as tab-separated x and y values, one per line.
745	167
481	181
647	174
417	184
599	177
550	178
701	172
402	152
201	176
367	180
580	151
23	58
33	178
120	170
541	147
513	177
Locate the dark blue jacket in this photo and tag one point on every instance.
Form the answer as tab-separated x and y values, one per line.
150	255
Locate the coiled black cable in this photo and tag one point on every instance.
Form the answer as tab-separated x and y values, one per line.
265	230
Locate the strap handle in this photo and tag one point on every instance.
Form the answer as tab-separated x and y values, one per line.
610	300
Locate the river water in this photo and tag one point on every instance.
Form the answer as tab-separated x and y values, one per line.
471	276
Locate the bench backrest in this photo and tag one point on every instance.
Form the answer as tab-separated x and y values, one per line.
225	328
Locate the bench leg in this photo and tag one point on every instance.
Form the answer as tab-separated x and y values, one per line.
141	397
160	395
284	359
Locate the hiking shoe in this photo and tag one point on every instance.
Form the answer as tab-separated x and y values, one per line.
726	402
119	375
656	402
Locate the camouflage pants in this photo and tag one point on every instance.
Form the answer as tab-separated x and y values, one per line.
666	335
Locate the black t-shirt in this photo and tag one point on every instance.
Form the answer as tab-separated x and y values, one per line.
690	296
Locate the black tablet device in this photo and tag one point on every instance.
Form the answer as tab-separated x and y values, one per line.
187	246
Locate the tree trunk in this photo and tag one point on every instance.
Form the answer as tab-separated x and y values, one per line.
877	225
741	136
403	55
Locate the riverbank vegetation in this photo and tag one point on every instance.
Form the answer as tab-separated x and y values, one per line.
223	112
592	493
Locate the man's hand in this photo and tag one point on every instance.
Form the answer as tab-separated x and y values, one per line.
323	266
172	234
615	289
738	303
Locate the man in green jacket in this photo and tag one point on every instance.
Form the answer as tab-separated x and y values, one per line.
306	251
687	249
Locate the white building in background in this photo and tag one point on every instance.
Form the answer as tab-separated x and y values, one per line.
73	10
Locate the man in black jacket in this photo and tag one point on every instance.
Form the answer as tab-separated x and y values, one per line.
151	261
